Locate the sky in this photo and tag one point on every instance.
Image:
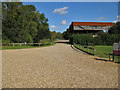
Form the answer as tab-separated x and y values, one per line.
62	14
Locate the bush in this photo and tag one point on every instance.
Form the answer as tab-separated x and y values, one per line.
45	41
102	39
98	41
83	39
5	41
109	39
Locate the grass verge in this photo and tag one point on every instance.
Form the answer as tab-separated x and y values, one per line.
101	51
23	47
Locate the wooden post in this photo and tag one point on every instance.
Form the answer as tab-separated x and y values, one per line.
13	44
88	50
113	57
21	44
94	51
109	56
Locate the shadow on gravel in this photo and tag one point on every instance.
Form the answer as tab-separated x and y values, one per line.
102	59
106	60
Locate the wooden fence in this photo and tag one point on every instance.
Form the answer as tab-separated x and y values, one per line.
21	44
83	48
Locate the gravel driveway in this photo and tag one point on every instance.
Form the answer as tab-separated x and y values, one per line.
57	66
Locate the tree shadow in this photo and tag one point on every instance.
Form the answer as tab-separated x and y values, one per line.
63	41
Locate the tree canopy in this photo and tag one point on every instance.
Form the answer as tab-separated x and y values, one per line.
66	34
22	23
115	29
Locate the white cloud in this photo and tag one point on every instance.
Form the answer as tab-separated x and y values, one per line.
115	21
53	27
61	10
100	18
63	22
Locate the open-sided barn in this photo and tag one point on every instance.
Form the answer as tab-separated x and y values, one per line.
89	27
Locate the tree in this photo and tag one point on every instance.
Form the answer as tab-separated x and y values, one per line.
115	29
53	35
22	23
59	35
66	34
9	17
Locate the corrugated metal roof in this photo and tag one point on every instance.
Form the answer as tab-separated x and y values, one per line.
93	23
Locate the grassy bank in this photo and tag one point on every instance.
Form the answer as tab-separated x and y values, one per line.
101	51
90	51
23	47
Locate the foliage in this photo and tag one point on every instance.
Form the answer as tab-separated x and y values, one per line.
6	40
45	41
115	29
66	34
43	32
59	35
107	39
56	35
53	35
83	39
22	23
101	39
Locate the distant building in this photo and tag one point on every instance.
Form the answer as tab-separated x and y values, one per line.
89	27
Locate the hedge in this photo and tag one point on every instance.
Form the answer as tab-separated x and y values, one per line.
102	39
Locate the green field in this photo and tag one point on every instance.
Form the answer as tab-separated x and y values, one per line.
23	47
101	51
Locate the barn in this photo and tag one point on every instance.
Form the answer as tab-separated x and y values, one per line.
89	27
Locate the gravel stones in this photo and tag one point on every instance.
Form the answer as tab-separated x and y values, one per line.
57	66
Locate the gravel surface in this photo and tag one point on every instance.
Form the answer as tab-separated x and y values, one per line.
57	66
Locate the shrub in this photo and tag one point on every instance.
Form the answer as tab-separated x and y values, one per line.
5	41
101	39
45	41
83	39
98	41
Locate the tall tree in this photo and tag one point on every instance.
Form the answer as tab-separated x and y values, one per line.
43	29
115	29
22	23
9	17
66	34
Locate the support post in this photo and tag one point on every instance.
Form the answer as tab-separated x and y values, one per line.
113	57
94	51
109	57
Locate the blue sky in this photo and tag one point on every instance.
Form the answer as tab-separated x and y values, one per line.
61	14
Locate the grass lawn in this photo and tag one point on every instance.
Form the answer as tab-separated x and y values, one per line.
23	47
101	51
84	49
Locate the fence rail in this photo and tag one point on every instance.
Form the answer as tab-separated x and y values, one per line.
86	49
21	44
